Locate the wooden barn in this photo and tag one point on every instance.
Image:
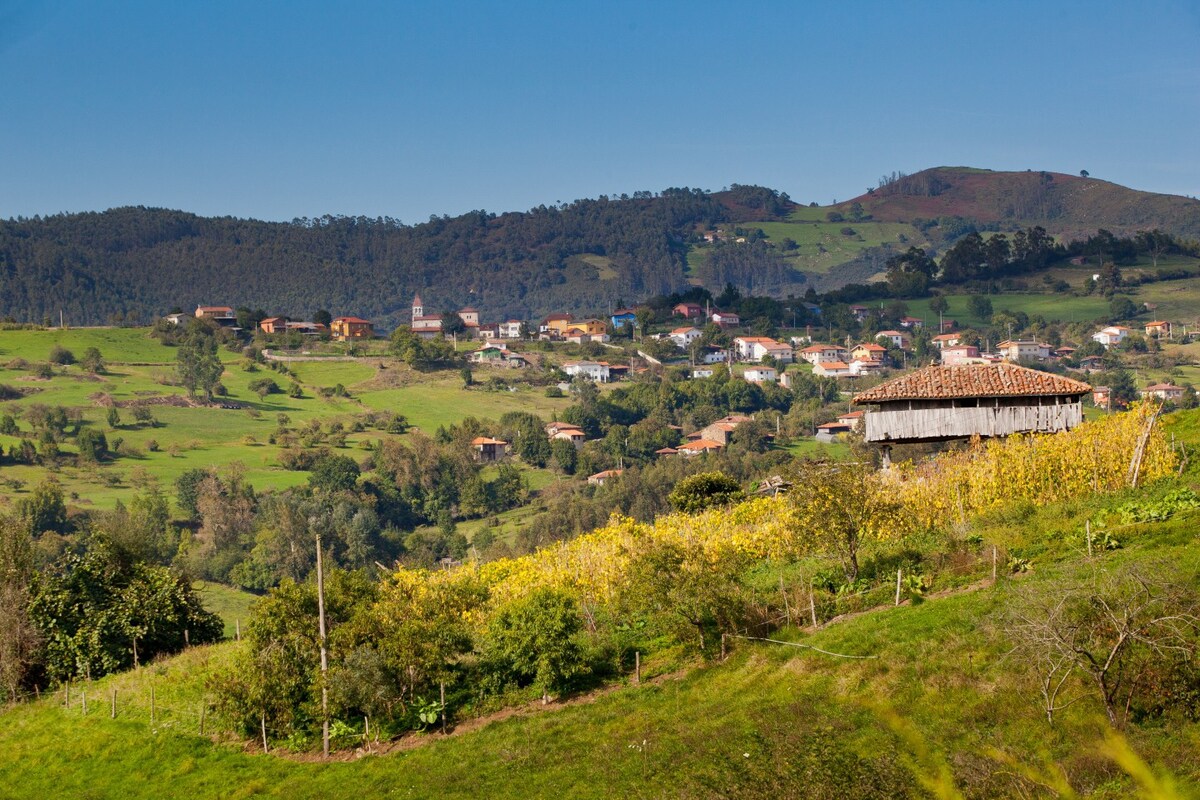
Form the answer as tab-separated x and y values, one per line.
940	403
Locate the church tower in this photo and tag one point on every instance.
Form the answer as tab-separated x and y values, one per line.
418	310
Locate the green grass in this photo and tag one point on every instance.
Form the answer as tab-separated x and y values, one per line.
441	399
117	345
822	245
202	437
770	721
1066	308
230	604
807	447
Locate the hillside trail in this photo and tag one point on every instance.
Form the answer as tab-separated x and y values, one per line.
415	740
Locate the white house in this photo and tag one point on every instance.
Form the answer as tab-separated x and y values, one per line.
1163	391
714	355
895	338
510	329
685	336
600	478
761	375
832	369
865	367
815	354
726	319
702	372
1111	336
756	348
1026	349
944	340
592	370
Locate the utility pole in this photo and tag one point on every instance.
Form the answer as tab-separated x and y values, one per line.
324	653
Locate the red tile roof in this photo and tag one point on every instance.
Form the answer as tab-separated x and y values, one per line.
972	380
482	440
353	320
700	445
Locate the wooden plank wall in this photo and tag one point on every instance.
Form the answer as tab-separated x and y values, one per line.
952	423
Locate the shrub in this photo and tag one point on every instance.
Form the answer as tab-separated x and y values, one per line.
264	386
705	490
93	361
61	355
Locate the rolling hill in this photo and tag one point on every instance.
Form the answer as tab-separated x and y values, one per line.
1067	206
132	264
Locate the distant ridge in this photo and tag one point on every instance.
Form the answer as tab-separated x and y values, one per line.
133	264
1069	206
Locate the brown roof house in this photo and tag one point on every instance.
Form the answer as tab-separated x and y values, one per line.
489	449
1163	391
940	403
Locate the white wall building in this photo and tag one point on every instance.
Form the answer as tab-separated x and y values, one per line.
592	370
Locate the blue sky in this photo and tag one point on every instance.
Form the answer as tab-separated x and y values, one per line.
280	110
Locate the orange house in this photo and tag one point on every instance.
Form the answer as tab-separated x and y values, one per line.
347	328
273	325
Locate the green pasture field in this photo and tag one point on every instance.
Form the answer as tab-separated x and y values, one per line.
811	236
117	345
201	437
1065	308
440	400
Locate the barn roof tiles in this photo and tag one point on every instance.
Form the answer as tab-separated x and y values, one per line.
972	380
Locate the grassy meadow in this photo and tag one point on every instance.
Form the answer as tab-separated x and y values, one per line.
187	437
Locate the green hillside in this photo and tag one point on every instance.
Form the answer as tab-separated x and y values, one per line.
939	706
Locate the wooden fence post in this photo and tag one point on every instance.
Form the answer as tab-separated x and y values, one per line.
67	694
1088	526
637	667
787	608
442	689
237	630
722	647
83	701
812	604
263	721
898	586
112	714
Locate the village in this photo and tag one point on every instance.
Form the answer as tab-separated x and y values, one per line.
696	342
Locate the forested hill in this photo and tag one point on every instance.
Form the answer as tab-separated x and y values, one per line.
585	257
1067	206
136	263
